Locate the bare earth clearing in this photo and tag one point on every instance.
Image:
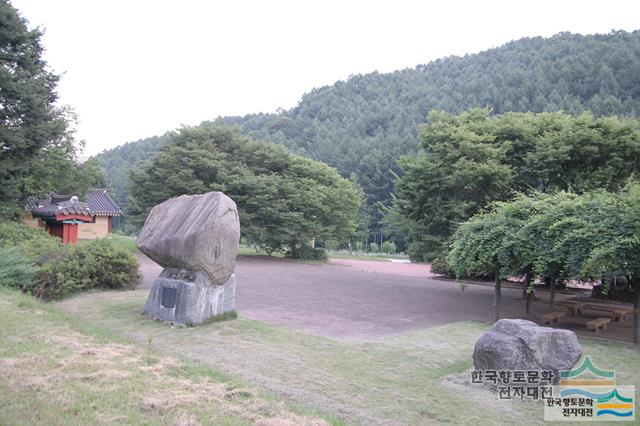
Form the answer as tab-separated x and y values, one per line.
358	300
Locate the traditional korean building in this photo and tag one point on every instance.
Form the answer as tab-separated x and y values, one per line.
71	219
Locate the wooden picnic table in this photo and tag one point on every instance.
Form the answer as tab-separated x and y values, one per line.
619	312
551	317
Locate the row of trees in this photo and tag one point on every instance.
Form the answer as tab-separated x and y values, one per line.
361	126
592	236
475	158
38	151
284	200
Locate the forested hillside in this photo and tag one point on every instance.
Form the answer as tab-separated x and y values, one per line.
119	162
363	125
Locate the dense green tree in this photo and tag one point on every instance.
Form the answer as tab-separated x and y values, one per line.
363	125
29	119
283	199
119	162
562	235
488	244
473	159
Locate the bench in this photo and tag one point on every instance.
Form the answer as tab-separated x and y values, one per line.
619	313
598	323
575	308
551	317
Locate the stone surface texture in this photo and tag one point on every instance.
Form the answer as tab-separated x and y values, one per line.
195	239
194	303
198	233
514	344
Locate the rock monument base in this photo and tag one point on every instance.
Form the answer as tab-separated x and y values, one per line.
186	297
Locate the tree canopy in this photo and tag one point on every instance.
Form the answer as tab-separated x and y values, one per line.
561	235
283	199
475	158
38	152
361	126
29	119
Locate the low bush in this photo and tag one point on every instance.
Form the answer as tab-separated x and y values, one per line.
34	244
389	247
93	264
622	292
15	270
308	253
35	262
440	266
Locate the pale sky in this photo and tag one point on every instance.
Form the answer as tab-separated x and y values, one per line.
134	69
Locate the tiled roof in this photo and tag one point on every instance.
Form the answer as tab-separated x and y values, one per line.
72	206
98	203
33	202
101	204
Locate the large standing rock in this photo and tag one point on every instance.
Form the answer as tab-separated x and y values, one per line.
514	344
195	238
194	232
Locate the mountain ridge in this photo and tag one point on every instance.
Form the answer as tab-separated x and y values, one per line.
362	125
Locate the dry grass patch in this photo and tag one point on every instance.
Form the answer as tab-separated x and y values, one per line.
412	378
52	374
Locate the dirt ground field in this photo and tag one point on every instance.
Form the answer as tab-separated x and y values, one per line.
364	300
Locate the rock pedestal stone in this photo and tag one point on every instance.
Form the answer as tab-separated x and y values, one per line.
195	238
514	344
178	301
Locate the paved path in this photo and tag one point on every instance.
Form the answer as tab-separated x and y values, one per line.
353	301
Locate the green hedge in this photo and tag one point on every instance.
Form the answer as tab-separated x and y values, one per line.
308	253
93	264
15	269
440	266
33	244
40	264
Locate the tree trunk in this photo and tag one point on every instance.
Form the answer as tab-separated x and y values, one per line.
526	295
497	296
525	286
552	291
636	310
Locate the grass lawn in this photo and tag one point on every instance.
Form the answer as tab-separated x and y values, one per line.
59	370
250	251
411	378
122	241
365	256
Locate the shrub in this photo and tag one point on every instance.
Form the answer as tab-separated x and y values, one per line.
308	253
420	252
15	270
93	264
331	244
388	247
32	243
440	266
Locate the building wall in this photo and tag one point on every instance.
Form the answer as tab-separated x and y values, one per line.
32	222
90	231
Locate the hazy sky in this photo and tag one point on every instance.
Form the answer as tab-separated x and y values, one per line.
134	69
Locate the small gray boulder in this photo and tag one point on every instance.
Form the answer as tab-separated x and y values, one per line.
514	344
197	233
